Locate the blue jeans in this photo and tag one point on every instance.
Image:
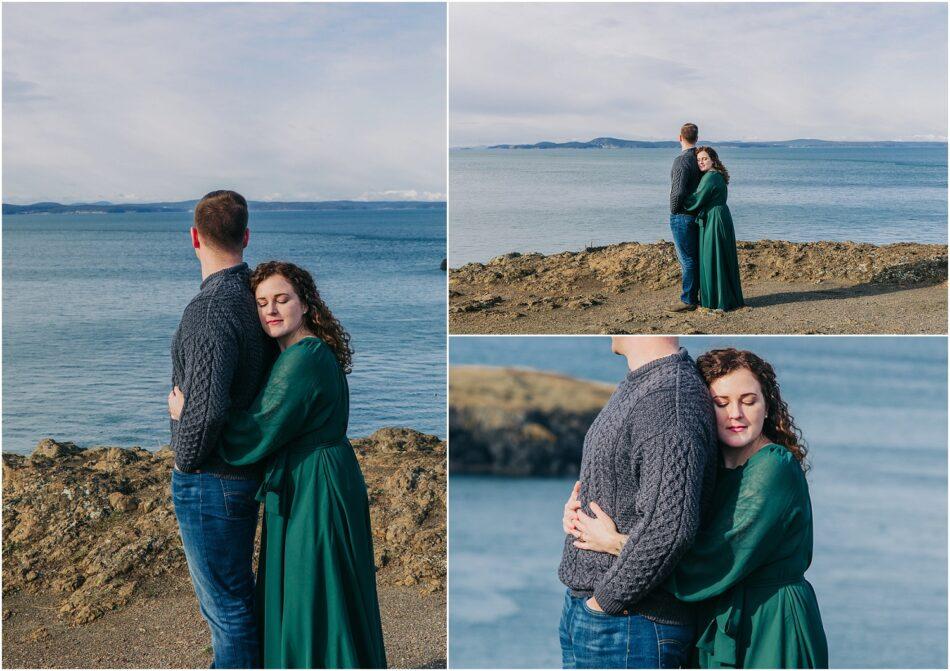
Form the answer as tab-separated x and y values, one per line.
686	240
595	640
217	519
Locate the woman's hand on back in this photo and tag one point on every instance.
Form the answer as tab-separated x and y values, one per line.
598	534
570	511
176	403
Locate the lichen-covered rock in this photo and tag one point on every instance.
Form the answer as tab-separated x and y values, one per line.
406	478
93	524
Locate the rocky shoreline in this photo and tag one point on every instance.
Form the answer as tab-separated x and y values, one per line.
507	421
625	288
89	530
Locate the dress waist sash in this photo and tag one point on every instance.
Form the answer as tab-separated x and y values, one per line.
720	634
272	489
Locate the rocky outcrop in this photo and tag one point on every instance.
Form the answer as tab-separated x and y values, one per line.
95	524
572	278
505	421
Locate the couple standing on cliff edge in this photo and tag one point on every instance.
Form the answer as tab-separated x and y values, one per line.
248	428
701	224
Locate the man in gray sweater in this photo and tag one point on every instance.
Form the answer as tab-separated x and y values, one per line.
684	178
649	463
220	358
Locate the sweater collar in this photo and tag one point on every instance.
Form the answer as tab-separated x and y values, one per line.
239	269
639	373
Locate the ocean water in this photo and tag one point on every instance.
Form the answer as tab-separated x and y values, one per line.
874	413
554	200
90	303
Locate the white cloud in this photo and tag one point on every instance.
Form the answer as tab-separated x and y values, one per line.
169	101
410	195
530	72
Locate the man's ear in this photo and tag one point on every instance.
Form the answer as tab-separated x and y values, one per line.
195	242
247	236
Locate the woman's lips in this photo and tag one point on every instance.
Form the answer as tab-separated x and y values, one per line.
736	429
271	322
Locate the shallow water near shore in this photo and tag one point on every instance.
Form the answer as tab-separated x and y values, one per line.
557	200
874	413
90	303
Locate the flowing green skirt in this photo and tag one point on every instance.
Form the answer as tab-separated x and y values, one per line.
719	284
763	627
316	585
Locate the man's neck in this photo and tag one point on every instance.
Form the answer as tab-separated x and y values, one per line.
209	266
651	350
684	146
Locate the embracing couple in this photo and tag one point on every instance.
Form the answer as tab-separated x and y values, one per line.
701	224
690	530
249	428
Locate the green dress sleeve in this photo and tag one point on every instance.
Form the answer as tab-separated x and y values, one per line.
747	526
705	193
277	414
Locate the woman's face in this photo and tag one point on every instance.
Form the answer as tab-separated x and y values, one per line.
740	408
278	306
705	163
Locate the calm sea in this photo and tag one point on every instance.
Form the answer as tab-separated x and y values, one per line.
874	412
90	303
565	199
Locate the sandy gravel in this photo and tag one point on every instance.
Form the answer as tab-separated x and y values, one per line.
163	629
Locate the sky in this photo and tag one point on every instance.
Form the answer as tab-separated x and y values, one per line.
522	73
143	103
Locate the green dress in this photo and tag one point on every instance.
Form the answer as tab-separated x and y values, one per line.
719	284
316	585
747	568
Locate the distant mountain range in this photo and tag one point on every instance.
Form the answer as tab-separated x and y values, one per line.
105	207
616	143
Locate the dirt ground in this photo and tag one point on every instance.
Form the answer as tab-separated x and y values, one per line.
163	629
771	307
810	287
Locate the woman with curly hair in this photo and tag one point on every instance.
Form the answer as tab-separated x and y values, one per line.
719	285
747	563
316	597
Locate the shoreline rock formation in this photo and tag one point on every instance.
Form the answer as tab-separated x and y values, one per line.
506	421
93	524
654	266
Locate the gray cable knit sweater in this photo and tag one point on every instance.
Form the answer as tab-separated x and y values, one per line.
220	359
649	462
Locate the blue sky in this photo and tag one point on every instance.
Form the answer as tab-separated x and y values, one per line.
530	72
138	102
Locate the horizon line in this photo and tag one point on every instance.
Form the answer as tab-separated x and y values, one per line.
105	203
943	140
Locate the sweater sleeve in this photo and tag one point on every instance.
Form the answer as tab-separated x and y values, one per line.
740	536
669	500
209	361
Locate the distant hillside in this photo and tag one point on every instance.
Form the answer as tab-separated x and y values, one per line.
615	143
105	207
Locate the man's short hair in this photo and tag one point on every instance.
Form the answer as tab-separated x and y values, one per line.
221	219
690	132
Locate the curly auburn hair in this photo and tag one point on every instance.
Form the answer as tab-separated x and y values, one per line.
779	426
318	318
716	163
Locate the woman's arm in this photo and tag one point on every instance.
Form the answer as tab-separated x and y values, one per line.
276	415
741	536
704	193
